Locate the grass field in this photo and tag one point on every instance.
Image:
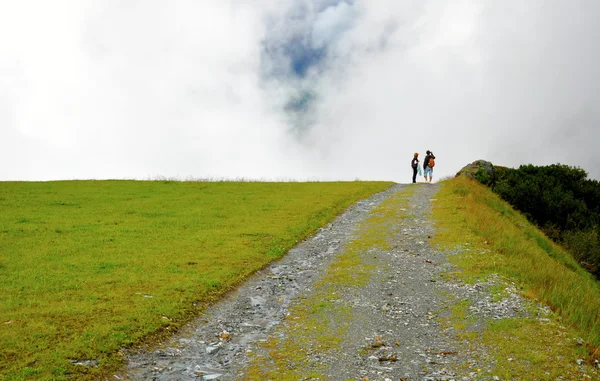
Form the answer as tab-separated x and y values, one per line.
89	267
496	239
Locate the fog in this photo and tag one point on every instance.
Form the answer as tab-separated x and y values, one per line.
294	90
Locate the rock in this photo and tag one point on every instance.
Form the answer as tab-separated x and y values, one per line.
480	170
257	301
208	377
392	358
85	363
247	327
211	350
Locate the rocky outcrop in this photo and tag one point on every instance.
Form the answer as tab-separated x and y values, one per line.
477	167
480	170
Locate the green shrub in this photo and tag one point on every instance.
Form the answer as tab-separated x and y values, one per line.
585	248
561	200
482	176
551	195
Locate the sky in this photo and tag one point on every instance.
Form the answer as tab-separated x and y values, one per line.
294	89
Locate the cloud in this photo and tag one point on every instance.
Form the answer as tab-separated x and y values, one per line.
311	89
331	24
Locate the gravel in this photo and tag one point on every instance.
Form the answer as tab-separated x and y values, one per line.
397	320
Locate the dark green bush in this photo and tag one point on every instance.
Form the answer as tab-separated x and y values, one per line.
483	177
585	248
551	196
561	200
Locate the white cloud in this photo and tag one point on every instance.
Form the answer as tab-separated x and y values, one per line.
110	89
331	23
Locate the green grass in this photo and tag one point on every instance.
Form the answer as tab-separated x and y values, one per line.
496	239
89	267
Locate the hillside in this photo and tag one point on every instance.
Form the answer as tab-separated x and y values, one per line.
502	241
428	281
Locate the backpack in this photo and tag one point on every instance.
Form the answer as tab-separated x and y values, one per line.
431	162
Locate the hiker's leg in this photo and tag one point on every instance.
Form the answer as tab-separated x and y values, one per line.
428	173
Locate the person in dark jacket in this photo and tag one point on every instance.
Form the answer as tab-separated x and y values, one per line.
427	169
415	166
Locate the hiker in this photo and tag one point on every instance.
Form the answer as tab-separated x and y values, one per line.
415	166
428	165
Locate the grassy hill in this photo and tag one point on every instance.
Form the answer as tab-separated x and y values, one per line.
502	241
88	267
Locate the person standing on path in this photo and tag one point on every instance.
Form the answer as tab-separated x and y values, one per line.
415	166
428	165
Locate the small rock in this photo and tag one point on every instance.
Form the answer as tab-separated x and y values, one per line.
211	350
257	301
85	363
247	327
392	358
214	376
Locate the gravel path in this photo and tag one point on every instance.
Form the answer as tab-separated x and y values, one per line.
396	330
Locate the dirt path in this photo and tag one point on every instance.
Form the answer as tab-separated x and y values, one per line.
364	299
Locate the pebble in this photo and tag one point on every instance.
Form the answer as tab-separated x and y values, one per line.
209	377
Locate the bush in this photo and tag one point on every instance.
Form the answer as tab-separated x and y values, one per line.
561	200
549	196
585	248
483	177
